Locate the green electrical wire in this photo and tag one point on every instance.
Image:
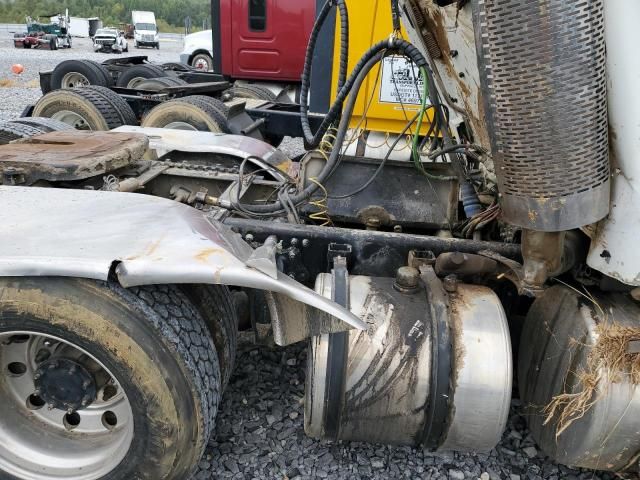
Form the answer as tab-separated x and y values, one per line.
416	138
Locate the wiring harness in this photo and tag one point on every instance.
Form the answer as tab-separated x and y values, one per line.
329	139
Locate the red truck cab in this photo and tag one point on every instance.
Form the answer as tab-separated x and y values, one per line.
261	39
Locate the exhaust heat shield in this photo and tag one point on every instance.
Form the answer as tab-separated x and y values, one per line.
542	65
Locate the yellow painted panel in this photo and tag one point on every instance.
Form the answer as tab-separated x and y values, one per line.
370	22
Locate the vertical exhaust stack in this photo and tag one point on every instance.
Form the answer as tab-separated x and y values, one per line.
542	65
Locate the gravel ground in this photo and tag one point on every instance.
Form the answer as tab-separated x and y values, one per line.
260	433
19	91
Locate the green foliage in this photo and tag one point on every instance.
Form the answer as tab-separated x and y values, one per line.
169	13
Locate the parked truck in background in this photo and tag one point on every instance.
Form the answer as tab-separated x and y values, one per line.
258	41
49	36
145	29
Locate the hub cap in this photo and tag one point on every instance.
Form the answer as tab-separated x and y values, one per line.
201	64
74	79
71	118
64	415
64	384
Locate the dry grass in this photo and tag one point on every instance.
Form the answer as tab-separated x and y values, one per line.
608	362
12	82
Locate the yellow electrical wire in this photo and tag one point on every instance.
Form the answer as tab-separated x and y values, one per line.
322	215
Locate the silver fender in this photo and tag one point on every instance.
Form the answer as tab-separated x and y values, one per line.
149	240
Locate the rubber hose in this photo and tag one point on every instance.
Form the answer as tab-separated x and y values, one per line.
335	153
399	45
308	60
361	70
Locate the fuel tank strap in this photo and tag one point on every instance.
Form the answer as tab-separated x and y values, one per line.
440	394
337	355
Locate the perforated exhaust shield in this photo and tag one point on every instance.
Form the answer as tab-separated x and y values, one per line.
542	66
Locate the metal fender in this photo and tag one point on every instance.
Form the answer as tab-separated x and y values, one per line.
142	239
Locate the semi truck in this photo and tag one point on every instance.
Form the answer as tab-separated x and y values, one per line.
47	36
145	33
493	257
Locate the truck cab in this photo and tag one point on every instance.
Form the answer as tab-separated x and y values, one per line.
145	32
254	40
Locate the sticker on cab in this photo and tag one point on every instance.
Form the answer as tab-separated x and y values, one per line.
401	81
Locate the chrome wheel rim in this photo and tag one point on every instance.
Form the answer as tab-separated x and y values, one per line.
201	64
74	79
181	126
134	82
42	434
71	118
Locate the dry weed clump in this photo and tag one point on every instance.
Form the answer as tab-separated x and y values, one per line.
610	360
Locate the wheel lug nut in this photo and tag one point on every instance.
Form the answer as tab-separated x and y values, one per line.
70	411
37	376
51	406
48	343
37	392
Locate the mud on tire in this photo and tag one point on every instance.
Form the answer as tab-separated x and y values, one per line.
156	345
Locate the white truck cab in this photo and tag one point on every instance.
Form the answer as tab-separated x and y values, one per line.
145	29
198	50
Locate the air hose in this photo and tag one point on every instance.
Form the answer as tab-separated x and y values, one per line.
350	89
311	47
393	45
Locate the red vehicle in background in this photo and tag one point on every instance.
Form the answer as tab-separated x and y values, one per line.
254	40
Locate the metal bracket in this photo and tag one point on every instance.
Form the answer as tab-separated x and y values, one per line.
440	396
263	258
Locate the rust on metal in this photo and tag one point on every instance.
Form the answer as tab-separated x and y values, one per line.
72	155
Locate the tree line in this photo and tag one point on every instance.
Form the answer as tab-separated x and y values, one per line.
169	13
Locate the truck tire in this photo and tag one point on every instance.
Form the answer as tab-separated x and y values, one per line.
10	131
79	73
50	40
132	76
216	306
202	62
104	71
44	124
28	127
257	92
126	113
156	84
140	372
82	108
187	113
214	102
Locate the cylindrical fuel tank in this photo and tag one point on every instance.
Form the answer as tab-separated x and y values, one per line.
578	355
542	68
434	368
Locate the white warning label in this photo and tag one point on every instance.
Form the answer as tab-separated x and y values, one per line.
401	82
